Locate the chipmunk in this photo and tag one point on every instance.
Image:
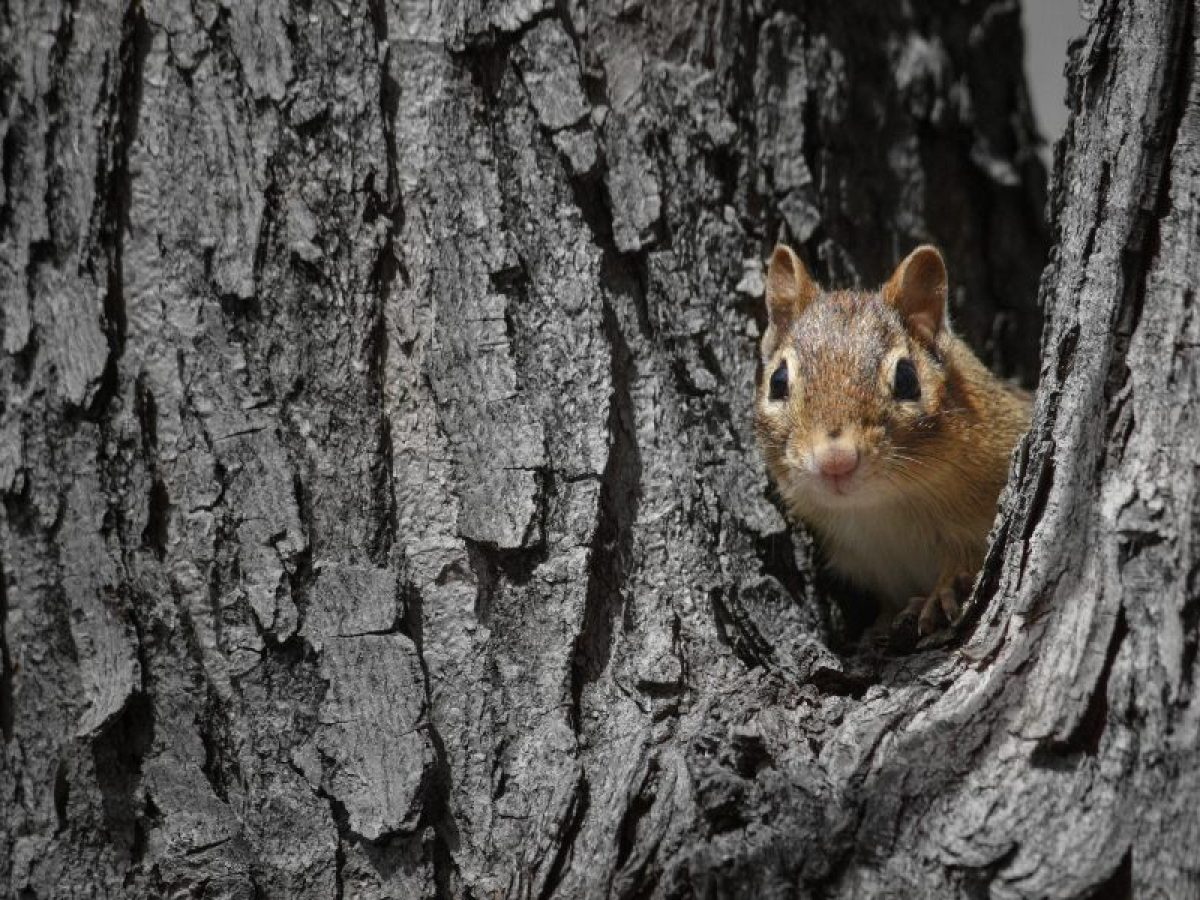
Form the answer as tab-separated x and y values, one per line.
883	432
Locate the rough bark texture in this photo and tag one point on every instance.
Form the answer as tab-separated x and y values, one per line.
381	516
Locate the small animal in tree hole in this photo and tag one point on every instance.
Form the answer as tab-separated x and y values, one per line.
884	433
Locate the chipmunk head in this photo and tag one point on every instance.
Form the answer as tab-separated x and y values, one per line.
852	382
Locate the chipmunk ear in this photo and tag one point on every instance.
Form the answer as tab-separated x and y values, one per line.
789	288
917	289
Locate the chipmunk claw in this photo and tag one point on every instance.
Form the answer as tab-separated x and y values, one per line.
922	614
913	628
941	609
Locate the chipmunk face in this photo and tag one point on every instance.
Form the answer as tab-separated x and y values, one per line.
851	383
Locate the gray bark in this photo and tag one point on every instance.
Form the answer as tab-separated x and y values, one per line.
381	515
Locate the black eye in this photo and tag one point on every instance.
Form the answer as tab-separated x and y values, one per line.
779	382
906	385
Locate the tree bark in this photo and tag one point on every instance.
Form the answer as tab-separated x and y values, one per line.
381	512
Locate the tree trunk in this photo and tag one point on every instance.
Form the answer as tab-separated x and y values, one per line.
381	514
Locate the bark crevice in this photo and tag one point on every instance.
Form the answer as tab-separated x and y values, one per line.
113	190
612	541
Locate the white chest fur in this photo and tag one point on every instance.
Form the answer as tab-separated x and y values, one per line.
886	550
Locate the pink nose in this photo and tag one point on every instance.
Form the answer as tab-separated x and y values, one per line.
836	460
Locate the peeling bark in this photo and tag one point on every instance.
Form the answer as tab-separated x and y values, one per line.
381	512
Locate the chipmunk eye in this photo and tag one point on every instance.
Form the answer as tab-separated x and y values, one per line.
906	385
779	382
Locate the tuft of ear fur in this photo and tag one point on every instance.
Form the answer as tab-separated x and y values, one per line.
917	289
790	289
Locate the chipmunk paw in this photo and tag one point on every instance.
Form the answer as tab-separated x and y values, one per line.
940	609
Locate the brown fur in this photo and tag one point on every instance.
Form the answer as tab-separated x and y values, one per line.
918	512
